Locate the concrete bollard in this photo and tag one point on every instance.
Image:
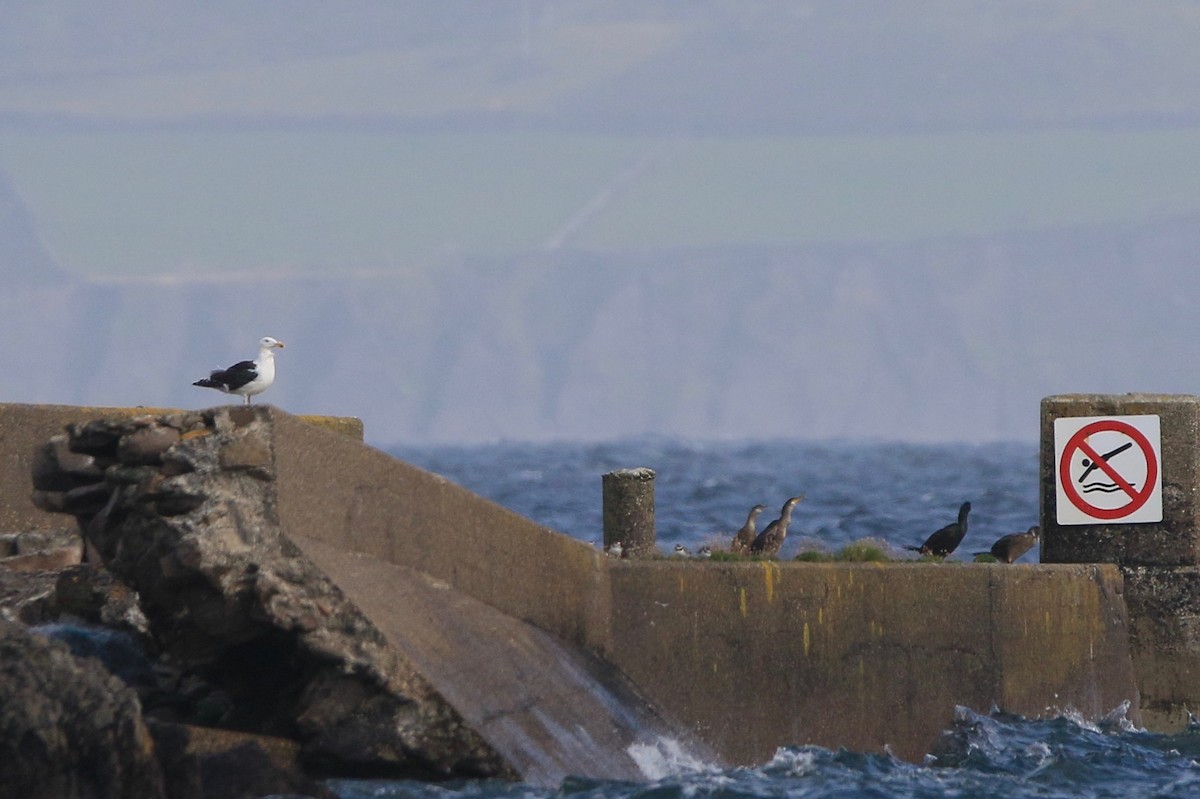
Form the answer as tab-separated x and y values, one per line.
629	510
1100	459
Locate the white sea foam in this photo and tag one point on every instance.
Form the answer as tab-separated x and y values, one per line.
794	762
666	757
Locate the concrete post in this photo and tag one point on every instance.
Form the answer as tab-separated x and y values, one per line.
1159	561
629	510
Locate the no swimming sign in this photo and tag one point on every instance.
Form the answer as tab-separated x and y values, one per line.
1108	469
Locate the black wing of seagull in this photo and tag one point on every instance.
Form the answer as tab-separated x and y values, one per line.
237	375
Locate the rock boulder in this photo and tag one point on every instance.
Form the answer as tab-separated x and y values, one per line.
182	508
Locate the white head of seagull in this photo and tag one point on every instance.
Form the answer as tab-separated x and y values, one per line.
246	378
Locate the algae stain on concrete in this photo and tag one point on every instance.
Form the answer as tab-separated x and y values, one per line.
771	575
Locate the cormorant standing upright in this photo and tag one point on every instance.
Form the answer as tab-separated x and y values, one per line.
770	540
947	539
1012	546
745	537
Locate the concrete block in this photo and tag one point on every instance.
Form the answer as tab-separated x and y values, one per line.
1175	541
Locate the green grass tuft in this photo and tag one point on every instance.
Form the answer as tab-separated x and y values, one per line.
864	551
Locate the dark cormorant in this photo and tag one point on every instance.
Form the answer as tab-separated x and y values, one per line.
947	539
770	540
1012	546
745	537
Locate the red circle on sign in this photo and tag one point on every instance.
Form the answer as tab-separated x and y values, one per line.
1136	498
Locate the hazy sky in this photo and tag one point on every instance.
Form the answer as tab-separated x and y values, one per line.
548	219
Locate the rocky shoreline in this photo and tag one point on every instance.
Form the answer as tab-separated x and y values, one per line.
174	644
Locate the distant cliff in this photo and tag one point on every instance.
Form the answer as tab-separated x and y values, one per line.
907	341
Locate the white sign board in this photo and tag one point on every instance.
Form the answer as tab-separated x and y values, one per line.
1108	469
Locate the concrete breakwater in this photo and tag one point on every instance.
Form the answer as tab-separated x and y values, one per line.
520	637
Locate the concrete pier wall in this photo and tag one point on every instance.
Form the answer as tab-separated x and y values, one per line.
865	655
747	656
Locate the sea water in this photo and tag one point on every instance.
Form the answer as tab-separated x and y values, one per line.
890	492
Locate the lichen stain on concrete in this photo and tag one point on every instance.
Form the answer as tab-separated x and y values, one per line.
807	639
770	574
820	615
681	586
742	601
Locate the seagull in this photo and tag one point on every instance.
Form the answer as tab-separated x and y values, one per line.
947	539
770	540
246	378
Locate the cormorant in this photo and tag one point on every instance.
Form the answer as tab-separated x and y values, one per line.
770	540
1012	546
745	537
947	539
246	378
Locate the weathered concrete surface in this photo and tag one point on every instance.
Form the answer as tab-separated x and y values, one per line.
757	655
1160	561
25	428
548	709
387	508
628	507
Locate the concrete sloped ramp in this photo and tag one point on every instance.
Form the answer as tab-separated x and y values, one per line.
550	711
